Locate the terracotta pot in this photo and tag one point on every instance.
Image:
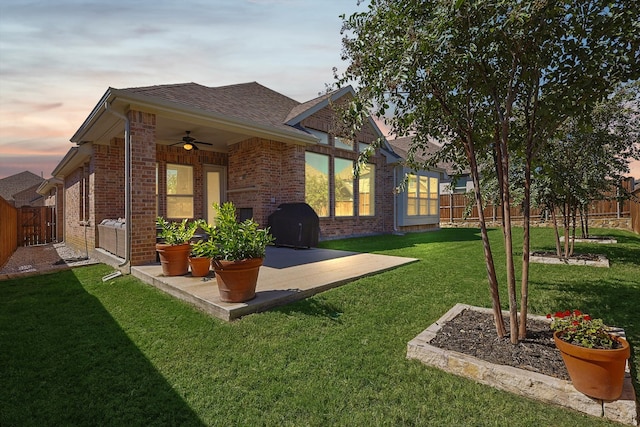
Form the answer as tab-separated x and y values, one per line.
598	373
199	266
174	258
237	280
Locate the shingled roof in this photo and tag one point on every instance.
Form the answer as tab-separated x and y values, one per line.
17	183
401	147
247	101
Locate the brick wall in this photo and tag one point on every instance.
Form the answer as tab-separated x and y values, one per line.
108	161
78	234
143	185
263	174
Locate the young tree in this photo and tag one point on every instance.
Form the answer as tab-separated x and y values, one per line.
492	78
588	158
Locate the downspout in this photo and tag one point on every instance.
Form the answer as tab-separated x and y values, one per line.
395	199
126	265
57	213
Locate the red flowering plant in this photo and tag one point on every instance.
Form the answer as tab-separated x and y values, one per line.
580	329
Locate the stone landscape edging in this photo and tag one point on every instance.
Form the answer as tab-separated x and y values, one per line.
603	240
602	260
518	381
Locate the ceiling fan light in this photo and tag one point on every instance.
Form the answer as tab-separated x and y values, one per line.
188	146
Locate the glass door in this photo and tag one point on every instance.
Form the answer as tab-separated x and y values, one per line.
214	189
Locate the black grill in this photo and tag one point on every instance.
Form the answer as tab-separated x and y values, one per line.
295	224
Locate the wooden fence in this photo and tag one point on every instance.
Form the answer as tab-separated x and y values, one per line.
453	206
36	225
8	231
635	212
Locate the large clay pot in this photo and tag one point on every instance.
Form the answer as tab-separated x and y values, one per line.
199	266
595	372
237	280
174	258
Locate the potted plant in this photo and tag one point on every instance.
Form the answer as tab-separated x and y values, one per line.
239	251
594	357
202	252
174	247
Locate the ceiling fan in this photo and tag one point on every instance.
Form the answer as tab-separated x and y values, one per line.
189	143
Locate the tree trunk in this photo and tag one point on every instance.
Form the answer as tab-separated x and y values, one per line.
573	233
585	230
503	168
565	221
488	256
582	222
554	218
526	247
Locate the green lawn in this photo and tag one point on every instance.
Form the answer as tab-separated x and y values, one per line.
77	351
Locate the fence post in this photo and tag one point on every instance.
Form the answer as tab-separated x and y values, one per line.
618	202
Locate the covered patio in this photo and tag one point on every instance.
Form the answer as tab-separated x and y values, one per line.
287	275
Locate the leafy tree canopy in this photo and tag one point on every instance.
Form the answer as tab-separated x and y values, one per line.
493	79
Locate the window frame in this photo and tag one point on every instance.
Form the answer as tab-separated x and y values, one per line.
337	180
372	191
328	183
427	212
179	196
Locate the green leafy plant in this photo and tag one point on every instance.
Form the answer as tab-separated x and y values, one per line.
235	241
176	233
580	329
205	248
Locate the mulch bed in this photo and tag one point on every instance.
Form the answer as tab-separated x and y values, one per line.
474	333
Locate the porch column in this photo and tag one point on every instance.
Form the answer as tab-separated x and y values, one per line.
143	185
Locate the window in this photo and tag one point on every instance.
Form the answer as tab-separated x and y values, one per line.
366	190
323	137
179	191
343	185
316	173
343	143
434	200
422	195
83	194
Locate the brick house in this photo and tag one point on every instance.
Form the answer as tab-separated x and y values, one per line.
192	145
20	189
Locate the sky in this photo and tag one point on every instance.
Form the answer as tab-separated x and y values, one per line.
58	57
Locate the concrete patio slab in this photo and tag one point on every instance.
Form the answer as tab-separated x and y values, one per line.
287	275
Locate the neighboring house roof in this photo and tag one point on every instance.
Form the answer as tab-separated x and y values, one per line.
28	196
17	183
401	147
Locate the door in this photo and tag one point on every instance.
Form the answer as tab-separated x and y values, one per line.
215	188
37	225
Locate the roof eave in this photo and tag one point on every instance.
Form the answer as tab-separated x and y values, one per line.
320	105
128	101
95	114
47	185
74	157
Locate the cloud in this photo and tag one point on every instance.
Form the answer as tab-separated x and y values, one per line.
58	58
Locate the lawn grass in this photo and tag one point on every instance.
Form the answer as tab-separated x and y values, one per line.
77	351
